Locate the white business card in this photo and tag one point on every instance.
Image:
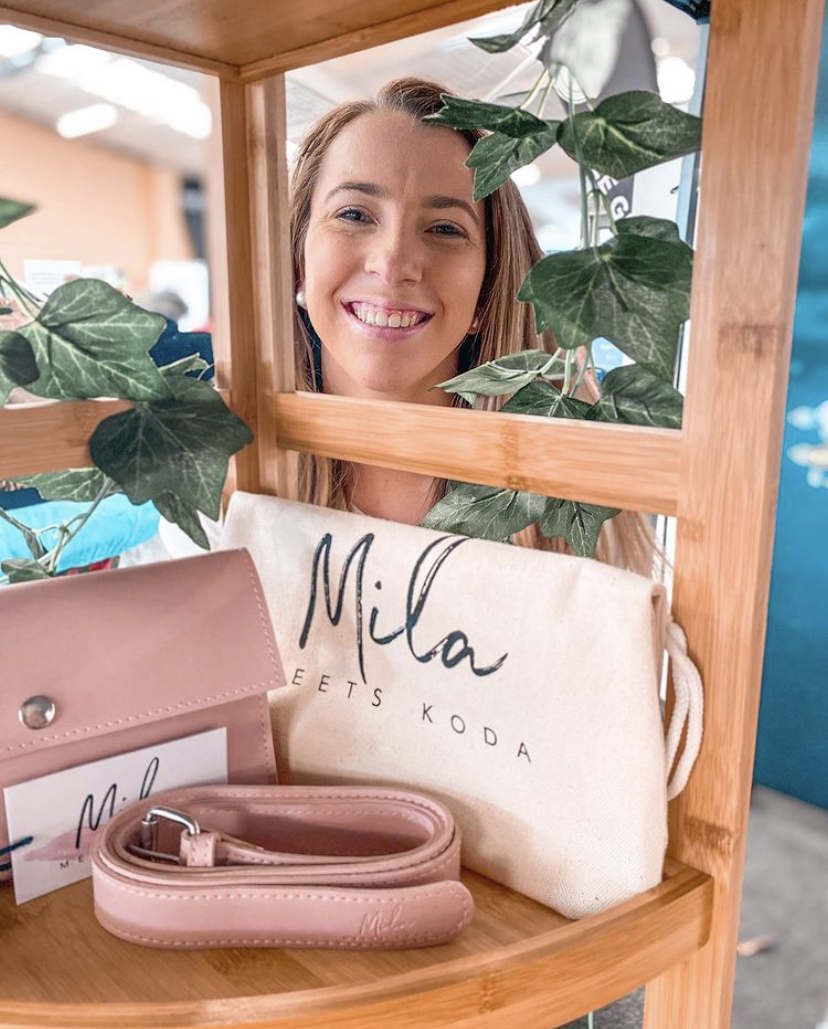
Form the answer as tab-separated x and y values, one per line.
64	811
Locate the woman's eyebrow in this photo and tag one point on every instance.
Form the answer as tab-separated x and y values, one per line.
439	202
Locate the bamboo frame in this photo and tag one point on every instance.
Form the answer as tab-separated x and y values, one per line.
719	475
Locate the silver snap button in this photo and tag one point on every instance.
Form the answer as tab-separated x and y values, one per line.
36	712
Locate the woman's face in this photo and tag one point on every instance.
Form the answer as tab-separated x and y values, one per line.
395	256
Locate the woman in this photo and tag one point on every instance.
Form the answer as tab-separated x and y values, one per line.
404	281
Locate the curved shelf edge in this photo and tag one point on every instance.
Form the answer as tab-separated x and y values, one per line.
540	981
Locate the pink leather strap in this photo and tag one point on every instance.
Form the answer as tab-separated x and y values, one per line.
283	866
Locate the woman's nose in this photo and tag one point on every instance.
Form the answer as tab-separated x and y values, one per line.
395	255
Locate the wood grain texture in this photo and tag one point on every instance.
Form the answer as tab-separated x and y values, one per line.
92	24
220	36
239	352
273	285
51	436
621	465
762	68
518	964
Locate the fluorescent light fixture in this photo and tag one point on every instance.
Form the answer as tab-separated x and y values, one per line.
130	84
676	80
528	176
84	120
14	41
71	61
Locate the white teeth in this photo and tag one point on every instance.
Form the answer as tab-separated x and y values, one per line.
392	320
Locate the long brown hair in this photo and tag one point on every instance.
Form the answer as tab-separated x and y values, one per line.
505	325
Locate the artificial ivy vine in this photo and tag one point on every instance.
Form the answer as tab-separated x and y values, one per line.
172	446
632	289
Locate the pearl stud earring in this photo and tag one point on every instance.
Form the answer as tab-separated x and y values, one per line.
300	298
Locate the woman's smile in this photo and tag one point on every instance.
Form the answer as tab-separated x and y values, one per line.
394	324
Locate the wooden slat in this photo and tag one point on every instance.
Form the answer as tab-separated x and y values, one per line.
52	19
239	352
50	437
622	466
518	964
762	72
273	283
636	469
259	278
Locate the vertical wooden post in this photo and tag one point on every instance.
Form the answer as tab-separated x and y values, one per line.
259	277
757	125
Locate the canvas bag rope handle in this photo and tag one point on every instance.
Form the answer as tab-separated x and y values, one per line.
688	709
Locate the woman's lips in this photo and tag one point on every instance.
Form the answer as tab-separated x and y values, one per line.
384	332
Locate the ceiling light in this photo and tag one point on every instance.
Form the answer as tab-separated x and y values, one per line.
14	41
676	80
86	119
527	176
71	61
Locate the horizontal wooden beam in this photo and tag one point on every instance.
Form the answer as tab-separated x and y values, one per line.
633	468
50	436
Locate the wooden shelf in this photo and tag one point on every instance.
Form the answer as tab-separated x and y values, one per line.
519	965
246	41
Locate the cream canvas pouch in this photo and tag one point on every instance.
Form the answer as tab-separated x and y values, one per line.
520	687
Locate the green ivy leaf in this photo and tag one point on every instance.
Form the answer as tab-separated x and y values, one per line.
633	395
23	569
579	524
478	114
652	228
549	14
78	484
633	290
190	363
486	512
495	157
11	210
185	516
90	341
504	375
540	398
181	446
17	363
629	132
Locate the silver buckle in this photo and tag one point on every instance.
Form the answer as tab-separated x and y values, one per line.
149	832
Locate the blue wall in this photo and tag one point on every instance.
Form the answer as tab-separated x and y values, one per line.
792	746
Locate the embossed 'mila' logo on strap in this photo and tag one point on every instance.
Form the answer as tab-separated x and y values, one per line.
376	925
451	649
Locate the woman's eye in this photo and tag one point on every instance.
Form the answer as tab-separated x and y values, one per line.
351	214
359	217
447	229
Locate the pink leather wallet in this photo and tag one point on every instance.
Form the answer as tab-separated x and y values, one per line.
281	866
101	664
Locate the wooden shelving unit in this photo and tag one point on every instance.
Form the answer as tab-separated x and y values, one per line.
520	965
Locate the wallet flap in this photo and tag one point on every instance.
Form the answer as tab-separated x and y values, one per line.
118	648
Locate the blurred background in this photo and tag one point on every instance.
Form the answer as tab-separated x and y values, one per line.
121	158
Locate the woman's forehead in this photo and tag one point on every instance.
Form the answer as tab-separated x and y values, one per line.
392	150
